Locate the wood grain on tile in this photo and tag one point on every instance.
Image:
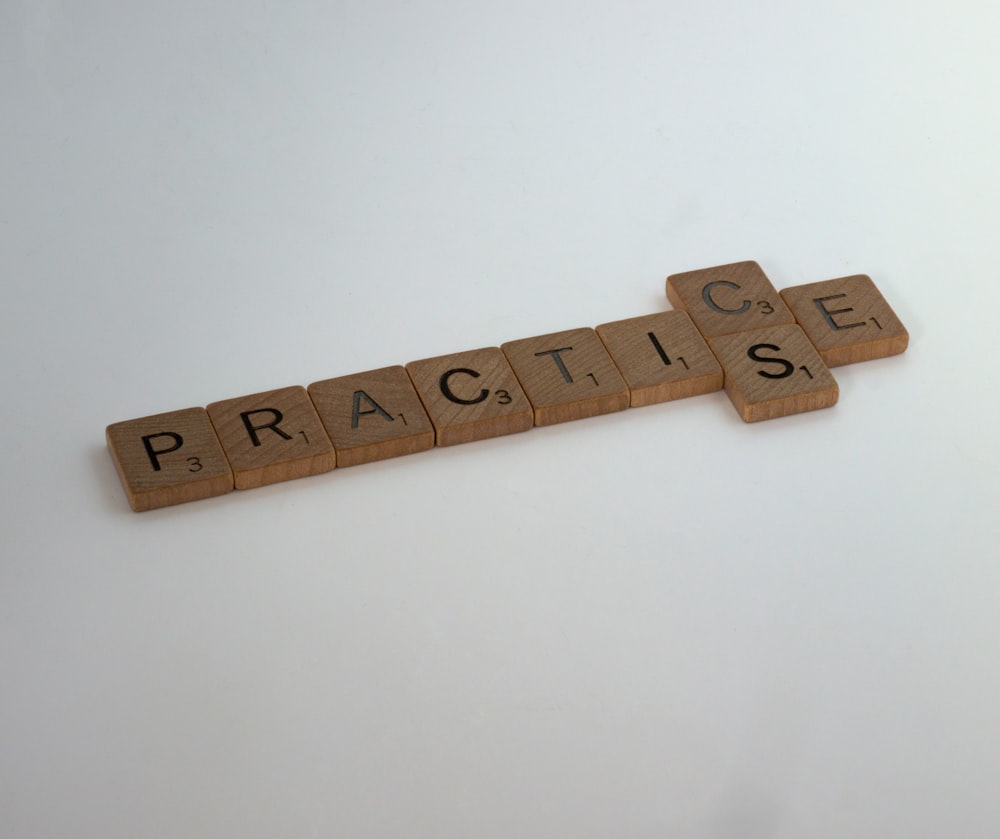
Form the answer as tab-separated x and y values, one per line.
168	459
661	357
471	395
272	436
567	375
728	298
774	372
847	319
372	416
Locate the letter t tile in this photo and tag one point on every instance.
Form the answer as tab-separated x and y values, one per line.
567	375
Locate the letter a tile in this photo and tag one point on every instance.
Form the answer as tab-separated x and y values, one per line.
661	357
272	436
567	375
470	395
372	416
774	372
169	459
847	319
728	298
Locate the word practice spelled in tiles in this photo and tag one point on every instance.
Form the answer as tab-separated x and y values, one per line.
728	298
372	416
661	357
169	459
567	375
272	436
730	329
774	372
847	319
471	395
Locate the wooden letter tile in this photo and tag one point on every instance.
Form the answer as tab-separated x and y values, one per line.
661	357
372	416
774	372
169	459
272	436
728	298
567	375
471	395
847	319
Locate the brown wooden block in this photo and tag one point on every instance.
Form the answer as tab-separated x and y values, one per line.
847	319
272	436
372	416
567	375
471	395
169	459
728	298
774	372
661	357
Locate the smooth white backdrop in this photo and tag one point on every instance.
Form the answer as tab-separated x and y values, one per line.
659	623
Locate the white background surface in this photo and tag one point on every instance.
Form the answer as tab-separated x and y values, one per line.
659	623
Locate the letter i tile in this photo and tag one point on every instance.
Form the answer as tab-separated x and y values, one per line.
847	319
168	459
774	372
272	436
567	375
662	357
372	416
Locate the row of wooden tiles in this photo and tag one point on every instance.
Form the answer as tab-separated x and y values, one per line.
730	329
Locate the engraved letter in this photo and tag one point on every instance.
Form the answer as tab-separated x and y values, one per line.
829	315
375	409
706	295
559	362
659	347
787	368
448	394
276	417
178	442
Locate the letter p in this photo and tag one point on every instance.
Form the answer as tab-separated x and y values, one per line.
147	441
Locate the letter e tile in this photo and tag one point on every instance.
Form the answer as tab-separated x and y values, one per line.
774	372
272	436
847	319
470	395
168	459
728	298
662	357
567	375
372	416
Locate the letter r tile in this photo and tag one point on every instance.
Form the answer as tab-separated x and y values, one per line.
470	395
272	436
567	375
728	298
774	372
847	319
372	416
662	357
169	459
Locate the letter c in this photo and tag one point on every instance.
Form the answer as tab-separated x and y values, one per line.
448	394
706	295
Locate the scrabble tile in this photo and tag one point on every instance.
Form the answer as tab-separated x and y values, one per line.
774	372
169	459
847	319
372	416
661	357
272	436
567	375
728	298
471	395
